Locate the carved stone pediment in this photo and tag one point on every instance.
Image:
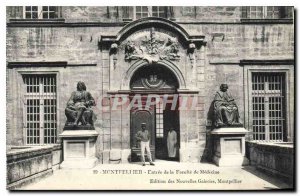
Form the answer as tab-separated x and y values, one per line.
153	39
152	46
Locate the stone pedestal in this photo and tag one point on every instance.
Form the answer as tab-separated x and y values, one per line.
229	146
79	149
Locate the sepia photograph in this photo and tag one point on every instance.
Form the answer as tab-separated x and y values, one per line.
150	98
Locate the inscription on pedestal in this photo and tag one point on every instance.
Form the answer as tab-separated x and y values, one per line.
76	149
233	146
229	146
79	149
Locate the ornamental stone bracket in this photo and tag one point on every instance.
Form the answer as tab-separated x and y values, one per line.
152	47
113	52
191	52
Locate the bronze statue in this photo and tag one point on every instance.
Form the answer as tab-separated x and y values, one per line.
78	110
225	109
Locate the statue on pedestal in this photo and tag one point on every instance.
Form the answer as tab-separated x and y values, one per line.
78	111
79	129
226	112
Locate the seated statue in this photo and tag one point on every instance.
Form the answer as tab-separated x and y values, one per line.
78	110
225	109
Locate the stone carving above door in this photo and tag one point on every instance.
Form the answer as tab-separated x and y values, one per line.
154	77
152	39
153	46
153	81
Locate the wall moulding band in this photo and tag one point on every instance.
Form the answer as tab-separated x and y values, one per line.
251	62
267	62
45	64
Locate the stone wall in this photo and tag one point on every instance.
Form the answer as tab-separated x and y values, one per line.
27	164
276	159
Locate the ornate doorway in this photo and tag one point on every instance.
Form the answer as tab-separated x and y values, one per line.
157	82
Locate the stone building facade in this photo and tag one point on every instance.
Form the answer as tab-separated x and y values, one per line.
123	51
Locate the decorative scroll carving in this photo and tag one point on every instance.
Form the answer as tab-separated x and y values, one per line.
191	52
130	50
152	49
170	50
113	51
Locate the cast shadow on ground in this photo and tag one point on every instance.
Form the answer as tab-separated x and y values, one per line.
269	178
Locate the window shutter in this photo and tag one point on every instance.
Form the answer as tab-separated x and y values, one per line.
171	11
117	11
18	11
166	12
244	12
125	10
282	12
59	12
107	12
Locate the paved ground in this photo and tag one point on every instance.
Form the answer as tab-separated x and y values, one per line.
193	176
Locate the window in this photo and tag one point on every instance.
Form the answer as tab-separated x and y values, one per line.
112	11
40	109
40	12
272	12
158	11
263	12
31	12
256	12
268	106
147	11
266	12
159	121
49	12
141	12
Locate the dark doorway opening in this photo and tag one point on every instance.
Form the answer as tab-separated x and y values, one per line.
166	148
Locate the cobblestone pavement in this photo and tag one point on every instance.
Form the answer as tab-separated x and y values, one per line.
164	175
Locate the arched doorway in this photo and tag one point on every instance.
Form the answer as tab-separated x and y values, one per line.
155	87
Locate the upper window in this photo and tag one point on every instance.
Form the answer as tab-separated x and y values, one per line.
158	11
266	12
40	12
112	11
148	11
31	12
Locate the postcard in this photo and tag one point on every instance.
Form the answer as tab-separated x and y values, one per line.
150	97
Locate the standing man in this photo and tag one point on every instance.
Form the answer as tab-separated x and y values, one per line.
144	137
172	142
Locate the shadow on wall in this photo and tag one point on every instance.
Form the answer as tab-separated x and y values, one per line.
208	149
210	116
